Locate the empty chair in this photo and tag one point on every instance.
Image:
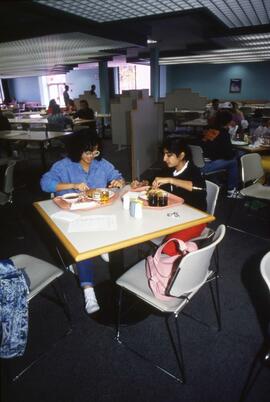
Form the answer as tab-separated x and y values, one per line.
40	274
262	358
192	273
6	193
252	171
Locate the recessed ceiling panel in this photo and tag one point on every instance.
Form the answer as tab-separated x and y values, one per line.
44	53
233	13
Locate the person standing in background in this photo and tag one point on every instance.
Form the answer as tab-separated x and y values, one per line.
93	90
66	95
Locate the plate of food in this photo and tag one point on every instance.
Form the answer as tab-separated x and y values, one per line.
71	197
96	193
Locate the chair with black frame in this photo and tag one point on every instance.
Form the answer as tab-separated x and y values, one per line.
262	358
39	274
194	271
252	173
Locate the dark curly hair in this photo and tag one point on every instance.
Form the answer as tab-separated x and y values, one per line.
81	142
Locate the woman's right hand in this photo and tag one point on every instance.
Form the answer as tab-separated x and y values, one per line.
81	186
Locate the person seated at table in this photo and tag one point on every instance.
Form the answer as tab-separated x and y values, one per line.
4	123
52	103
84	112
57	120
237	115
211	112
219	153
83	168
182	178
71	107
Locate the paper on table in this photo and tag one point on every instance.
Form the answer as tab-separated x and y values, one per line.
65	216
83	205
93	223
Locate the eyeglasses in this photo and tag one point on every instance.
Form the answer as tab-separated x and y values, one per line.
93	154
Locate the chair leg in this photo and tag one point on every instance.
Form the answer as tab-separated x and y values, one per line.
256	367
177	350
118	321
64	304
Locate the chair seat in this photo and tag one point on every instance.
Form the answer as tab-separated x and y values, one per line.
41	272
135	281
4	198
257	190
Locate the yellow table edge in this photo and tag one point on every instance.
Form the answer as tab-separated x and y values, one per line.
117	246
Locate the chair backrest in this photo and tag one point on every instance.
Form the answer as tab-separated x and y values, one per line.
265	269
197	155
251	167
211	196
194	267
8	179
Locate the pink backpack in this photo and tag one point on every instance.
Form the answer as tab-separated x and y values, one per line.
159	267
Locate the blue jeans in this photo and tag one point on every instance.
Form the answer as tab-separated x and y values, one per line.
229	165
86	272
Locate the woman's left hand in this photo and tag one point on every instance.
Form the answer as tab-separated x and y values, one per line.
117	183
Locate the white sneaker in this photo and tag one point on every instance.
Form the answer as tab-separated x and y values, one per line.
234	194
105	257
91	304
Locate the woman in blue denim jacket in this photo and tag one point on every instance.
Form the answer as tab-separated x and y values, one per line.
84	168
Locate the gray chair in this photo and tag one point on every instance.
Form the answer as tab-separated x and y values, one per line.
193	272
252	171
6	193
262	358
212	191
198	160
40	274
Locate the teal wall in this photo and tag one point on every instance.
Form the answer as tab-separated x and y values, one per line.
24	89
213	80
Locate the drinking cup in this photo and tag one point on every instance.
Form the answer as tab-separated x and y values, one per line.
104	197
163	199
152	200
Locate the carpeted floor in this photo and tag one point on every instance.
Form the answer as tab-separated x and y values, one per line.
90	366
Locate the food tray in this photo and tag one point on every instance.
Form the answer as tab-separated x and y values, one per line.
173	200
82	205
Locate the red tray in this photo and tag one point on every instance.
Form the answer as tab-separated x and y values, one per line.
173	200
67	205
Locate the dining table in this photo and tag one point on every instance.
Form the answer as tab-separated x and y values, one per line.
110	228
39	137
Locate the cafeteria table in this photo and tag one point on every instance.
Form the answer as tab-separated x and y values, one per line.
40	137
83	238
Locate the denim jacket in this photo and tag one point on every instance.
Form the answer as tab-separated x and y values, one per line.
13	310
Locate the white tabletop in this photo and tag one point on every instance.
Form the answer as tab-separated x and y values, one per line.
129	231
28	121
32	135
195	123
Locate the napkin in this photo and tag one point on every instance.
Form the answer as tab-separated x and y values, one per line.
93	223
65	216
